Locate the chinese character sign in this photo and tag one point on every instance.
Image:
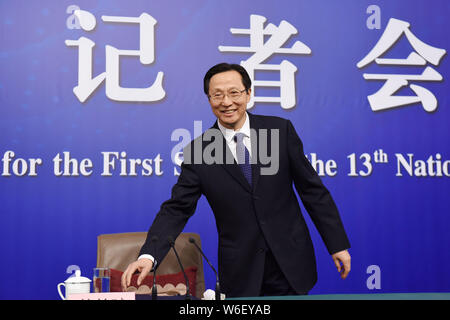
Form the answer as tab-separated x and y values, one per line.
385	98
262	50
87	84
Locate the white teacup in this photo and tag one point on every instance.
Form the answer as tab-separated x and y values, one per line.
76	284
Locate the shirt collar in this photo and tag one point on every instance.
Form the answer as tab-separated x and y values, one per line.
229	133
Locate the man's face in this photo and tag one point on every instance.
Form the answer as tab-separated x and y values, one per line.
230	110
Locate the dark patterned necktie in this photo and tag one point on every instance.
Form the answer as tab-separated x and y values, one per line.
243	157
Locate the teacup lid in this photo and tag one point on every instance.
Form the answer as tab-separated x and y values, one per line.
77	278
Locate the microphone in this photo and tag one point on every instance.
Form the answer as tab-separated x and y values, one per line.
172	245
154	290
192	240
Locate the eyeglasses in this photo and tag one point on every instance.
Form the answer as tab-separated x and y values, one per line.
232	94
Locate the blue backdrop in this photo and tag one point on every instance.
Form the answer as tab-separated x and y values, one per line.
396	221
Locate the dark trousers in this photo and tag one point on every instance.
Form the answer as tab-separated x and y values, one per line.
274	281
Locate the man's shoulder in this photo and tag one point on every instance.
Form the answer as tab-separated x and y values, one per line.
212	134
268	121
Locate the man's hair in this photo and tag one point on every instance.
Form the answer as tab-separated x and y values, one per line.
223	67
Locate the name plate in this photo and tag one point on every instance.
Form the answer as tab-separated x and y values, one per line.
103	296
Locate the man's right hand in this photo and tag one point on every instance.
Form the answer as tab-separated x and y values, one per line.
142	265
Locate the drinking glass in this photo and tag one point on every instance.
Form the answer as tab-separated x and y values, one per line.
101	280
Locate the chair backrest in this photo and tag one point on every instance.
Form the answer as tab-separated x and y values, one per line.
118	250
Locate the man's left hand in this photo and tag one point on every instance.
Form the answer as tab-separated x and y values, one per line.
342	257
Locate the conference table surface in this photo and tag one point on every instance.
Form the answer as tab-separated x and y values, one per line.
370	296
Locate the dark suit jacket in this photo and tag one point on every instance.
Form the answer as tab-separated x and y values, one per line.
253	219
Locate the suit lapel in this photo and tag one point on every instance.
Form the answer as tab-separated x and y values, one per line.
255	125
232	168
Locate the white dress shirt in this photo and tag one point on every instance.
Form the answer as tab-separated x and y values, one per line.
230	133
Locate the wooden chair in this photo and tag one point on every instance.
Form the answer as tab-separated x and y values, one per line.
118	250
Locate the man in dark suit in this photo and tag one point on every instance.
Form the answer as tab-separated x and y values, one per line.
264	243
